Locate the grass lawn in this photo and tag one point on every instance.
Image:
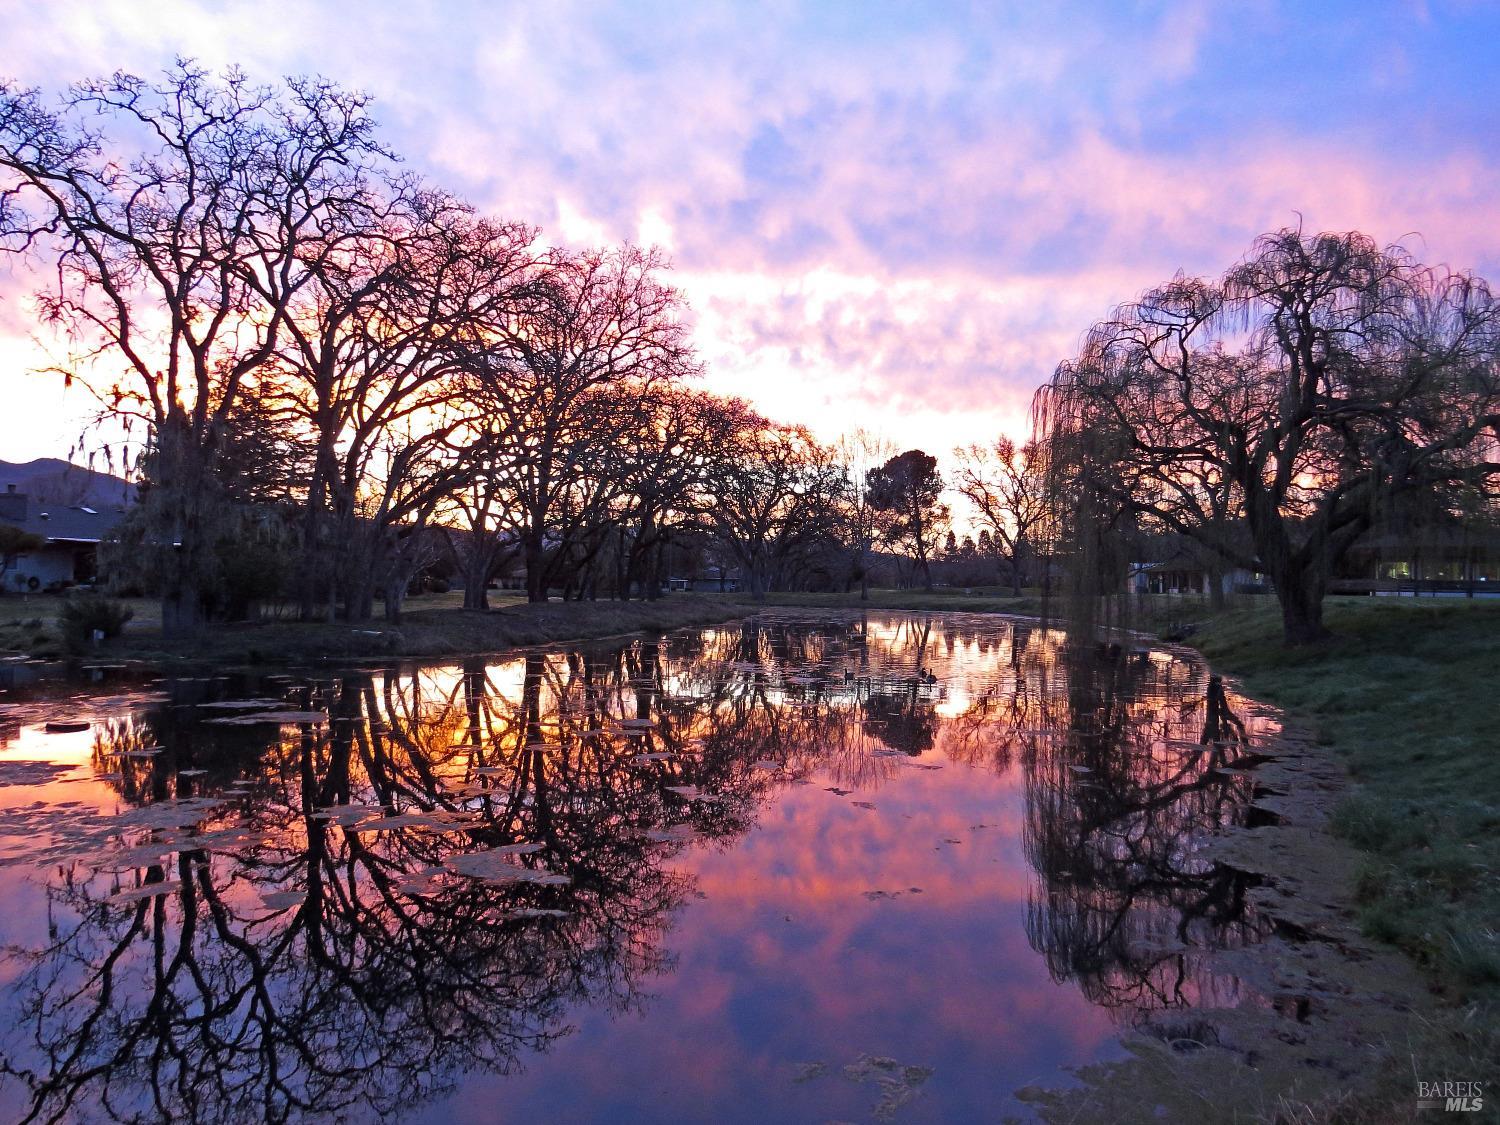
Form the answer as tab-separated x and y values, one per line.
1407	692
29	622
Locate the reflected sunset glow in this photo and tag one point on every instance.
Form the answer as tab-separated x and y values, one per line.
630	879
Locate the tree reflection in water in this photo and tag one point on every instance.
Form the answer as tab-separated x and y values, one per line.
317	951
1119	794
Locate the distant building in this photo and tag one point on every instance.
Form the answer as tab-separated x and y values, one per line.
71	534
1444	557
710	580
1170	564
1185	576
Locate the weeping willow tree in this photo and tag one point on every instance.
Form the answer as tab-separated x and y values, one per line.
1272	416
1087	531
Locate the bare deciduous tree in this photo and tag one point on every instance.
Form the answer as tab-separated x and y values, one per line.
1007	485
774	493
176	219
598	319
858	454
373	360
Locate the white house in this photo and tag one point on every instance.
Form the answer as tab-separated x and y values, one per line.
71	535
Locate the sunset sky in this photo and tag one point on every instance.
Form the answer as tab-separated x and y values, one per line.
899	216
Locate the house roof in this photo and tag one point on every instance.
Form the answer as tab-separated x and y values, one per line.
59	523
49	480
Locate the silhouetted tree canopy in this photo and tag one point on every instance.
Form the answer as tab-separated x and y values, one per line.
1274	414
907	493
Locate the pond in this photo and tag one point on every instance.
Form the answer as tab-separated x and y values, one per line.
799	867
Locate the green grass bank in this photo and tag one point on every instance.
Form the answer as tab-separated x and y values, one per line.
1406	694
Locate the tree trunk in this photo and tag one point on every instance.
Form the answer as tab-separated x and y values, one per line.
476	596
1301	599
359	578
307	588
181	611
622	567
359	601
312	523
536	578
181	499
653	572
183	608
477	579
395	594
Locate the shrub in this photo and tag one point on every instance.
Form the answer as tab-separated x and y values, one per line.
83	616
253	567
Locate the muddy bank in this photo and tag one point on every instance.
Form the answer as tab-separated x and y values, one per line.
1325	1008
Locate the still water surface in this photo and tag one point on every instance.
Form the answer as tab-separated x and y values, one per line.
797	868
